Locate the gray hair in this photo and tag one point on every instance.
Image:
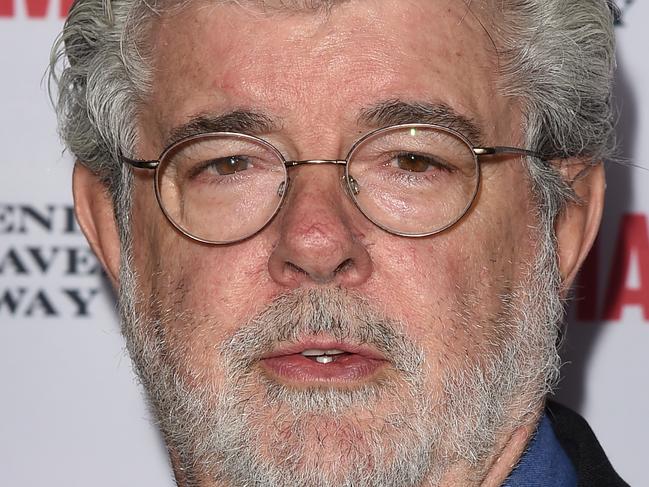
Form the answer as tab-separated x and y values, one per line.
558	57
555	56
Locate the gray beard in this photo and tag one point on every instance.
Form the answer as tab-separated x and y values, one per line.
254	431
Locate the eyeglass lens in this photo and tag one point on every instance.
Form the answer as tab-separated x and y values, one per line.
409	180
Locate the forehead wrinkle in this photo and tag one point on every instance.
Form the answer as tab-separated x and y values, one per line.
295	96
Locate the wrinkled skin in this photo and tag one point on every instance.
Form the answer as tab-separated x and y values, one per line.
314	73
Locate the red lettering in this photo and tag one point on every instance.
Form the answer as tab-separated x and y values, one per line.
6	8
64	7
35	9
633	240
587	286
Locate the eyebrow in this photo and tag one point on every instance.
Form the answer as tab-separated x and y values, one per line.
243	121
396	112
382	114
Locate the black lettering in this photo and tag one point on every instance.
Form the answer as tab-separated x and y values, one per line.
11	258
70	225
41	303
82	302
81	260
6	218
44	220
11	298
42	262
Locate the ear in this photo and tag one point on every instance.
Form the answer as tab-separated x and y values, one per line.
94	210
577	225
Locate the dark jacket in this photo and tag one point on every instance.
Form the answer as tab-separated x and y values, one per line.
579	442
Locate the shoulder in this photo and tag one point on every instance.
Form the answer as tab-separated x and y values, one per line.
581	445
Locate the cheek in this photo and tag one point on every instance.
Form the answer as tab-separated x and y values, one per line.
198	294
449	289
203	295
227	280
226	283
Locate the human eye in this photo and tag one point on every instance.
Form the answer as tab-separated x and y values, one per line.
208	169
221	160
419	162
226	166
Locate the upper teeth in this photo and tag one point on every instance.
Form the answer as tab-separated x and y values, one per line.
315	352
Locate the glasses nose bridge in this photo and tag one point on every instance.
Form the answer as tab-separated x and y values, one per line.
338	162
342	162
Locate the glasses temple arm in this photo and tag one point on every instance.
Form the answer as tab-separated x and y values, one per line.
140	164
484	151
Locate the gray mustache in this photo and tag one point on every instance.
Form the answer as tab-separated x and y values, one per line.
337	313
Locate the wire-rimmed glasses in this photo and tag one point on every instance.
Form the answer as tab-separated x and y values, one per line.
412	180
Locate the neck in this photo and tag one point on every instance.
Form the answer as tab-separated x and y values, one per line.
495	470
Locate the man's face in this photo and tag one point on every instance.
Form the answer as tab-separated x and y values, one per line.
418	319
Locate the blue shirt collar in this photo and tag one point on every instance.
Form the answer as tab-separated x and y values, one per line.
545	463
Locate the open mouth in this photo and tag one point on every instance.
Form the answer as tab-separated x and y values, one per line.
323	356
323	363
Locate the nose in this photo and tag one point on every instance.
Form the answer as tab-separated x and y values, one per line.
320	239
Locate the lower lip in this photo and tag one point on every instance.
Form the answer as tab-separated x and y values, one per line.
346	368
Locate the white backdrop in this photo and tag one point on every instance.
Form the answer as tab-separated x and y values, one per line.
71	413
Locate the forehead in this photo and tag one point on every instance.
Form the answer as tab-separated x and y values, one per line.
321	69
